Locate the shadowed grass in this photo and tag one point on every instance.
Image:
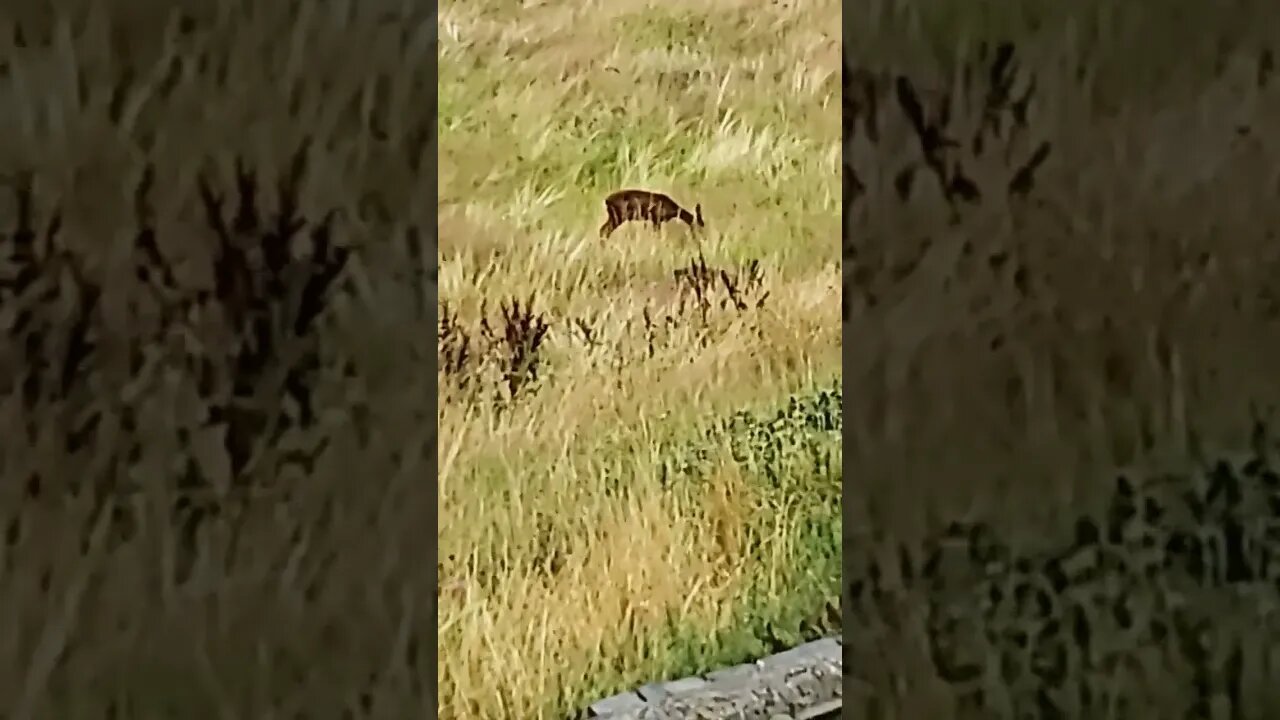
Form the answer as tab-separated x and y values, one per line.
1041	367
213	478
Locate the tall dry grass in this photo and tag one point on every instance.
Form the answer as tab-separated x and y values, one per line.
595	534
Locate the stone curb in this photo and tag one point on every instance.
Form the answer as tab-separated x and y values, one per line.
803	683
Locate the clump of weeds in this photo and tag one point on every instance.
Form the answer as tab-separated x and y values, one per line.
502	357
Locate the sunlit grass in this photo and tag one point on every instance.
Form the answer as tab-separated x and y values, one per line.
583	553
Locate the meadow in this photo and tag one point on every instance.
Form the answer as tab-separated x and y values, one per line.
639	437
1059	276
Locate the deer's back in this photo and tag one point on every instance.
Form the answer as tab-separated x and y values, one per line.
642	203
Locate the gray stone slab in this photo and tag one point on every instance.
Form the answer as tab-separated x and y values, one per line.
804	683
684	685
821	711
654	692
827	649
733	674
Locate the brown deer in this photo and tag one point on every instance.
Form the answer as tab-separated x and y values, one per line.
627	205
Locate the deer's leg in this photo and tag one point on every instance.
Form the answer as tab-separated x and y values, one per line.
612	223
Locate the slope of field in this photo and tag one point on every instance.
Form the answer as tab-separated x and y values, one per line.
585	548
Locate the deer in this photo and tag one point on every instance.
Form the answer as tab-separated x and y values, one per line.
626	205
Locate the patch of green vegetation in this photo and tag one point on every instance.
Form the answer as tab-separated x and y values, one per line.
800	438
791	457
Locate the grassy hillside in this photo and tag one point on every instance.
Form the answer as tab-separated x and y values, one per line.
601	524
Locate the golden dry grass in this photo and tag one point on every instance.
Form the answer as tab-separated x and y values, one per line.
570	568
